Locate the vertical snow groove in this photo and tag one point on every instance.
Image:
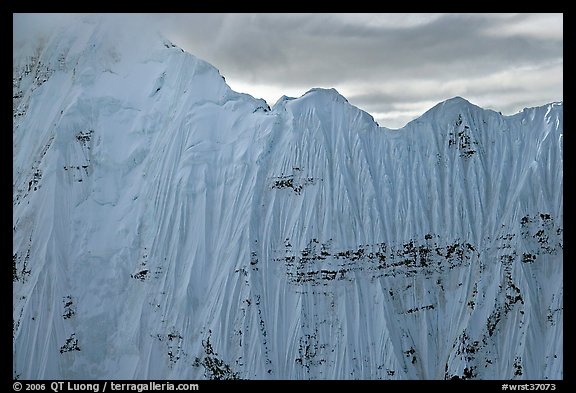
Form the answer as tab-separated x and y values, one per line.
199	234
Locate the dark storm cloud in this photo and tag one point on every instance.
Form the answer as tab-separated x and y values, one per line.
319	49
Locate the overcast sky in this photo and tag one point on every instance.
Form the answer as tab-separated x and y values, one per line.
394	66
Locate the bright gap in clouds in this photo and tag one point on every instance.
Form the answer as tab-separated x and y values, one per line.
391	119
270	93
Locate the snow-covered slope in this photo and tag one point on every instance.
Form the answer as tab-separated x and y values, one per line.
165	226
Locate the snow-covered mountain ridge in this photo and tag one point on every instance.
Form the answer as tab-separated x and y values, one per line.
167	227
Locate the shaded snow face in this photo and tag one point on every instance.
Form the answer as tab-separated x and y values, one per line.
166	227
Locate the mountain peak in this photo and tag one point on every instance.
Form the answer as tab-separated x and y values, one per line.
454	103
456	100
450	108
324	94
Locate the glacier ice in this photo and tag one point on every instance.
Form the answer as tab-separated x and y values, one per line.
167	227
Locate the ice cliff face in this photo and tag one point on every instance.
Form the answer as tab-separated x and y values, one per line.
166	227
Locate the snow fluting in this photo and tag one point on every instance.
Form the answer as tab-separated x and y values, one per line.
167	227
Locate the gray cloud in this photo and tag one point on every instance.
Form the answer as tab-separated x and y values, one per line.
392	65
260	44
